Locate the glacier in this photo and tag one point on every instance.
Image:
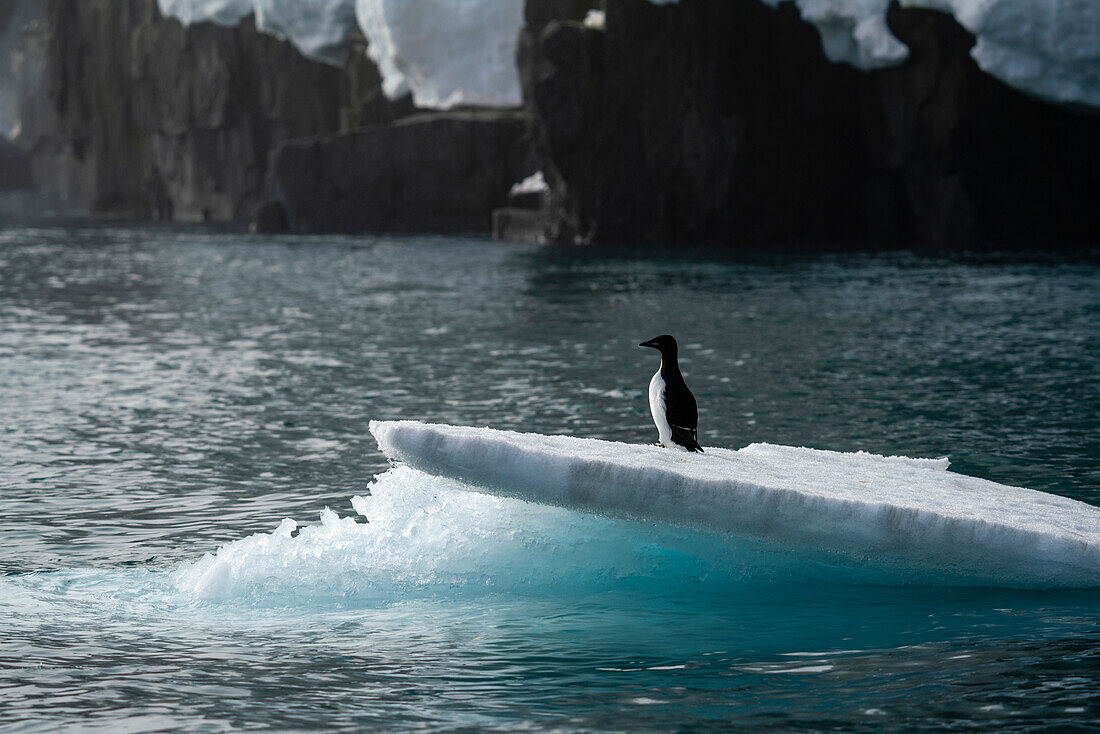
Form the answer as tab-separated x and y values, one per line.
1050	49
463	52
911	515
222	12
459	53
318	28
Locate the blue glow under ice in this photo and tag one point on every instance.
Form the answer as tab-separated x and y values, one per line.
910	517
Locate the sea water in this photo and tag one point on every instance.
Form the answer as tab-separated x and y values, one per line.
200	534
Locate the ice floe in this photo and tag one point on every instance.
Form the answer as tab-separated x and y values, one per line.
428	535
867	508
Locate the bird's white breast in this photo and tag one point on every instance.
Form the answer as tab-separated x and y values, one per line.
657	407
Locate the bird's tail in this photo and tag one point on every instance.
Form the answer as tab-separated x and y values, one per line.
686	438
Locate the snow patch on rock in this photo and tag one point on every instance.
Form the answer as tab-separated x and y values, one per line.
533	184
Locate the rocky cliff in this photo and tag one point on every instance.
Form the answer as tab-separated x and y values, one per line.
428	172
142	117
15	168
138	116
730	125
698	120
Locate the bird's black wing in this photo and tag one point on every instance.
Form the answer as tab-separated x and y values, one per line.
682	413
680	405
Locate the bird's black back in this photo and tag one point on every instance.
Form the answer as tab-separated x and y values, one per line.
680	407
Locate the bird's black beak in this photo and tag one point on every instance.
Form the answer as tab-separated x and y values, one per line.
651	343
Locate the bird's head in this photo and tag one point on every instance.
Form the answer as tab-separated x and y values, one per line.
664	343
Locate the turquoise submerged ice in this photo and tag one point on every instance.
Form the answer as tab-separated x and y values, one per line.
552	514
428	536
909	514
556	514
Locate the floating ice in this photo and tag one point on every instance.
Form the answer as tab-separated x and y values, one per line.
911	513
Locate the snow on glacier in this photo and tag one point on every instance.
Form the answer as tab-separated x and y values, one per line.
222	12
1050	48
909	513
318	28
459	53
444	53
462	52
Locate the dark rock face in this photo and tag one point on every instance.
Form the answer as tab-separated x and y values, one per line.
723	121
8	10
138	116
441	172
15	167
430	172
141	117
977	159
518	224
270	218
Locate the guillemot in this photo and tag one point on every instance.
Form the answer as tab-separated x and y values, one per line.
672	404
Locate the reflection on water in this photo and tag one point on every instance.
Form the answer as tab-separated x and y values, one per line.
165	393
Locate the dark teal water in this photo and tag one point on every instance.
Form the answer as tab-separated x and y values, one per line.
165	394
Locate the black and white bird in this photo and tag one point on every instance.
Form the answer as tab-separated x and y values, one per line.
672	404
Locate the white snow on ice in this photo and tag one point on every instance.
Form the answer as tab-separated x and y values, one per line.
874	509
462	52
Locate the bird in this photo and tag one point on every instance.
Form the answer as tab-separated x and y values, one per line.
671	402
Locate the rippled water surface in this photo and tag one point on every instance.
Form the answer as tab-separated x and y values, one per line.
168	394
